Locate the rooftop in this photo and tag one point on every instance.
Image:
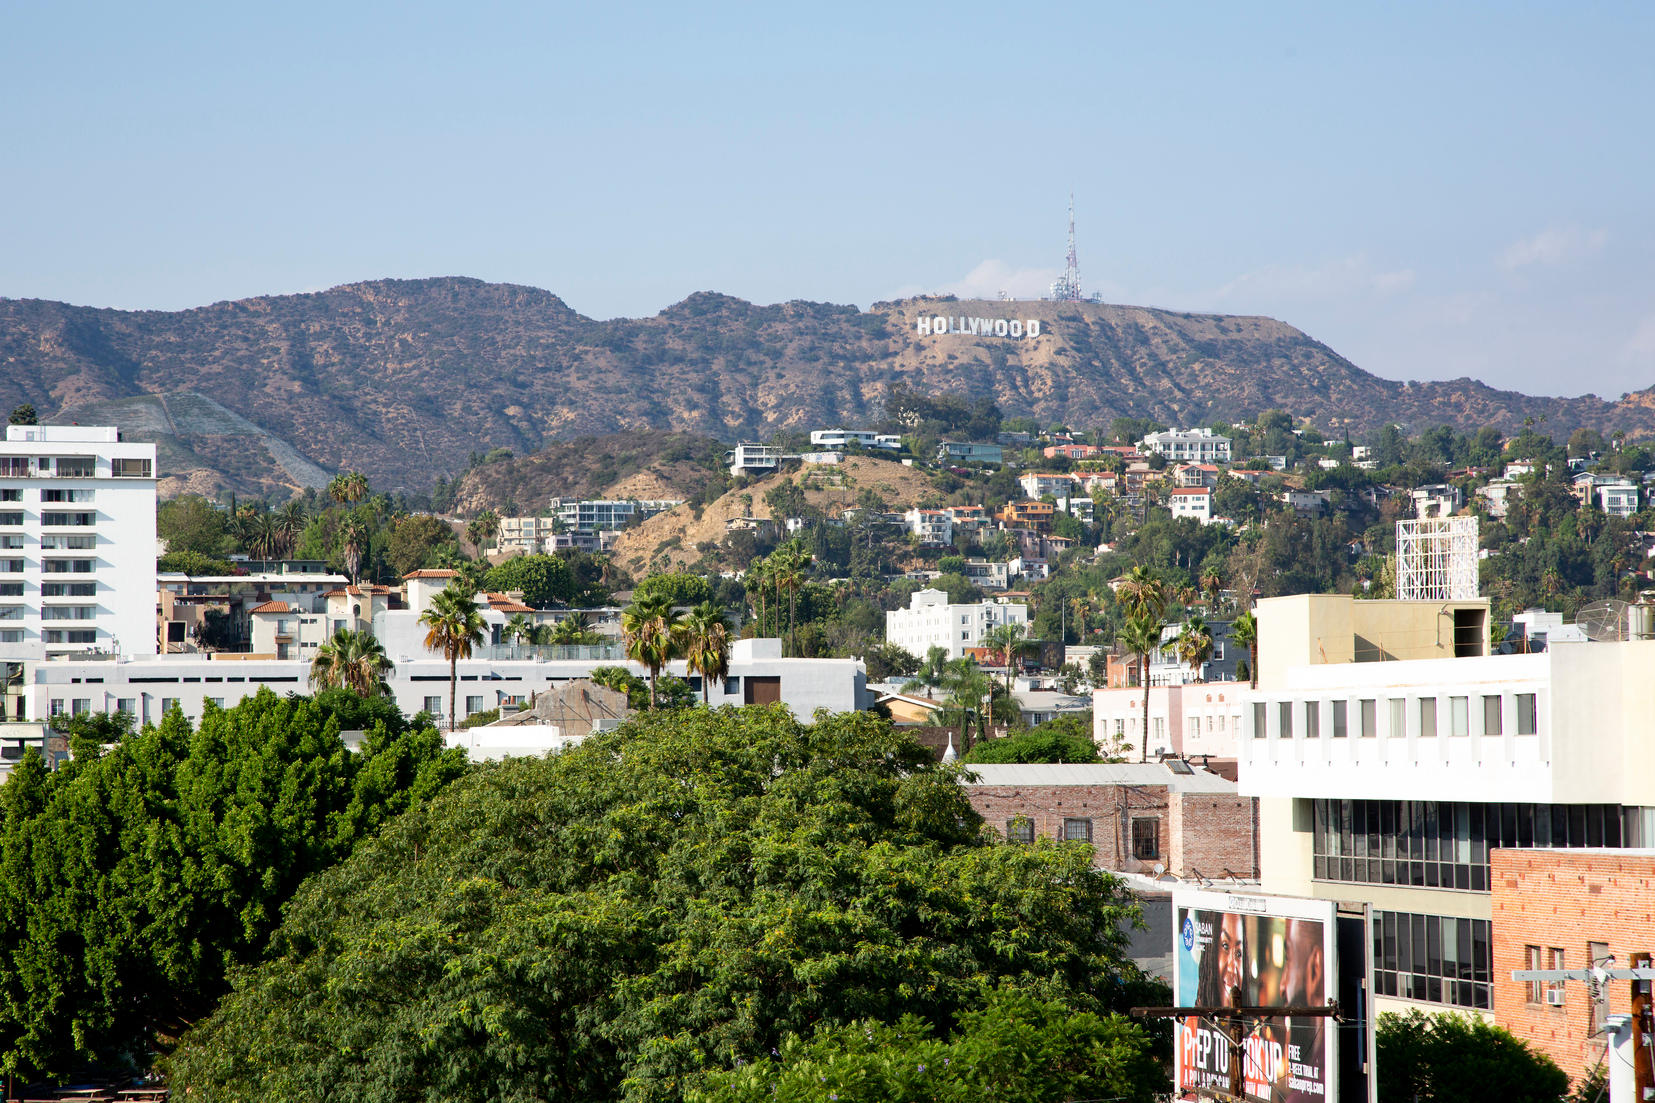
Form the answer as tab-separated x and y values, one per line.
1102	773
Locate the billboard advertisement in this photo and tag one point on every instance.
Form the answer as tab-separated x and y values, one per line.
1237	950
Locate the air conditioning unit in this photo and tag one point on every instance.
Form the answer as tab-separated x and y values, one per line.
1554	996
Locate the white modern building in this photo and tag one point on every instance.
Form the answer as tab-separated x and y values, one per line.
77	542
930	621
607	514
748	458
932	527
1195	503
843	438
1618	499
1388	781
1187	720
1188	445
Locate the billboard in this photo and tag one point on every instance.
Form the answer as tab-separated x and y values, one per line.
1231	949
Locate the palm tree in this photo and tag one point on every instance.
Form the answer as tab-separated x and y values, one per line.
352	660
968	687
454	628
290	522
931	672
1141	636
518	628
482	531
707	645
348	487
1142	594
757	574
1005	642
1212	583
1244	633
654	633
353	544
1195	644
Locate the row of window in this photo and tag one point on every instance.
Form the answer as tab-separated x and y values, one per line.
1441	844
72	467
52	589
1431	715
1436	958
1020	829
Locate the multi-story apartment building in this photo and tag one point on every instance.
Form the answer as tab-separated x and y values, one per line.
1036	484
1196	503
1392	755
1188	445
932	527
607	514
930	621
77	542
844	438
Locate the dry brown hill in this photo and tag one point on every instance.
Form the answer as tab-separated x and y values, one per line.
624	465
671	540
404	379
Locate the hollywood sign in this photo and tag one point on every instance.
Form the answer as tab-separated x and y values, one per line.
925	326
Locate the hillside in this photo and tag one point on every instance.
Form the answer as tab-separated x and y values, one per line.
647	464
404	379
670	540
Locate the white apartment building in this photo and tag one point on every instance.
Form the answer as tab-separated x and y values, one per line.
933	527
606	514
1389	782
842	438
77	542
1039	484
1195	503
1195	719
1188	445
149	687
930	621
752	459
1618	499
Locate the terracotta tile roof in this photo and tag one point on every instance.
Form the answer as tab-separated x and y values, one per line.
431	572
272	607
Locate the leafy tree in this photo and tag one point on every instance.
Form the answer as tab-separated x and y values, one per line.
453	626
544	580
671	898
887	661
1015	1046
677	589
415	542
190	523
136	881
1436	1058
1066	739
353	660
193	563
23	415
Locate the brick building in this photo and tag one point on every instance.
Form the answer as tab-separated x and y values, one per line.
1135	815
1564	909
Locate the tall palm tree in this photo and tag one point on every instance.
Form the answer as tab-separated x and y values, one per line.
290	522
1212	584
755	580
352	660
454	627
1142	594
1005	642
348	487
1141	636
353	536
482	531
968	688
519	629
1244	633
654	633
1195	644
707	645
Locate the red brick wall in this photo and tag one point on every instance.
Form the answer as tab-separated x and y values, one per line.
1565	899
1211	831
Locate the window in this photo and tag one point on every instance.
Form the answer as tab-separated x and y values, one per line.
1260	726
168	704
473	705
14	467
1341	724
11	566
11	494
67	566
1399	723
1312	719
82	706
11	635
11	612
59	494
1285	711
433	705
1528	721
1533	990
11	589
216	702
80	518
1491	715
1120	726
68	543
1020	829
1427	717
11	541
1459	721
1554	988
76	467
11	517
129	469
68	589
1434	958
1195	725
1077	830
56	708
125	704
1146	838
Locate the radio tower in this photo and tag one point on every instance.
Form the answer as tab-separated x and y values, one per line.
1067	286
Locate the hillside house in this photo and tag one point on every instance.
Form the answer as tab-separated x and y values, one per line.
1188	445
1195	503
1039	484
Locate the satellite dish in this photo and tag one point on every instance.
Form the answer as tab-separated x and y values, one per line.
1604	620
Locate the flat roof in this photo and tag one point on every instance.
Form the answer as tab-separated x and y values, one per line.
1099	773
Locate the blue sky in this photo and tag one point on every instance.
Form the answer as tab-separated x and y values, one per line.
1434	190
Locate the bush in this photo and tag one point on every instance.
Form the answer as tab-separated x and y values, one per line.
1449	1058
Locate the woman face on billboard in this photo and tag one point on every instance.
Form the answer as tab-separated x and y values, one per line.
1232	969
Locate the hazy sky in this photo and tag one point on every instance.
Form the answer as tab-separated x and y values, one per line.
1434	190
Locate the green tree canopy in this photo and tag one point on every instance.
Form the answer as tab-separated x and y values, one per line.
544	579
190	523
673	897
416	541
134	881
677	589
1066	739
1437	1058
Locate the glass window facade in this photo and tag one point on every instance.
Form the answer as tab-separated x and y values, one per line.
1436	958
1440	844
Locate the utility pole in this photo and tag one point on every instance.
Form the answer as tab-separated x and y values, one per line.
1232	1022
1641	1028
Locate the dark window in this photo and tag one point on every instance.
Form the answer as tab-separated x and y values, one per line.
1020	829
763	690
1077	831
1146	838
1437	959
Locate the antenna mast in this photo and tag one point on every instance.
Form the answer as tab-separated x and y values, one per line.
1067	286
